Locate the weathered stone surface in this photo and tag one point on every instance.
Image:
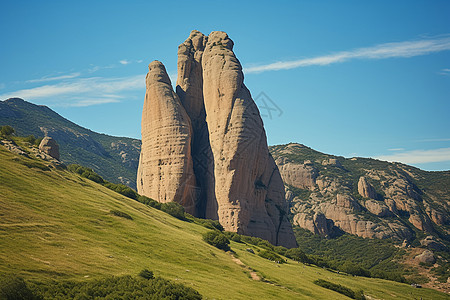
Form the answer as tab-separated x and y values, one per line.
377	208
433	244
165	171
49	146
248	187
365	189
228	165
301	176
426	257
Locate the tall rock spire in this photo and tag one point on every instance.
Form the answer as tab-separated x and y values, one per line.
165	171
236	179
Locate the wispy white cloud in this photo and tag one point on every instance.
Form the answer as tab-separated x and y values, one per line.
445	72
381	51
419	156
435	140
396	149
83	91
92	101
55	78
125	62
94	69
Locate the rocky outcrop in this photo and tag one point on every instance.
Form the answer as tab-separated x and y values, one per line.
427	257
377	208
320	184
165	169
365	189
224	156
49	146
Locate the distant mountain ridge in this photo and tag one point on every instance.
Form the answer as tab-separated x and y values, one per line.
114	158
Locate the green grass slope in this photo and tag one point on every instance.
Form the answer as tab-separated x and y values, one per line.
57	225
112	157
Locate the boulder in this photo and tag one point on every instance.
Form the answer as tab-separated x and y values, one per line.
427	257
49	146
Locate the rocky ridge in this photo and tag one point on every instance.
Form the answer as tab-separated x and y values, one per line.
208	145
365	197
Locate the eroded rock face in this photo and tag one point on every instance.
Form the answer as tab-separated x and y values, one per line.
426	257
49	146
165	171
234	177
365	189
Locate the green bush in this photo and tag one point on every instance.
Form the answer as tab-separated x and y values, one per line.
217	239
122	189
340	289
174	209
146	274
298	255
124	287
270	255
13	287
148	201
30	139
38	141
121	214
6	130
86	173
208	223
353	269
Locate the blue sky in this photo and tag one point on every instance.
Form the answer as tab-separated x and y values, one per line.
350	78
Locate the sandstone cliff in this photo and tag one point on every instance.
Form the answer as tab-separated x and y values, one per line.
235	179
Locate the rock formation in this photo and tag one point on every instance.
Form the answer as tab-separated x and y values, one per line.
365	189
368	198
50	147
165	169
209	138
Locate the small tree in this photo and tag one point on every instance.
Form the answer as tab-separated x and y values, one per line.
7	130
30	139
217	239
147	274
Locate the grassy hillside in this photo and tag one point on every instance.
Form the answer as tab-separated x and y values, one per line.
56	225
115	158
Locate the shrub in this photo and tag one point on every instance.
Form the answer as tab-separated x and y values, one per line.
208	223
270	255
353	269
86	173
122	189
298	255
13	287
30	139
217	239
174	209
6	130
38	141
340	289
146	274
124	287
121	214
148	201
